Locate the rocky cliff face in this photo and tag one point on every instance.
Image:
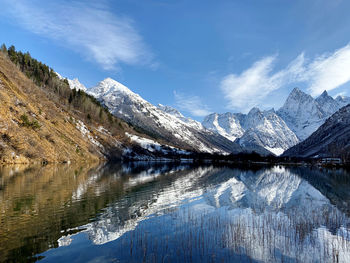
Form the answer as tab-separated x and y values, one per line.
304	114
332	139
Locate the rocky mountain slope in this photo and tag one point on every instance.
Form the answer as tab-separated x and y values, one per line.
332	139
304	114
256	129
268	130
301	113
343	100
297	119
162	123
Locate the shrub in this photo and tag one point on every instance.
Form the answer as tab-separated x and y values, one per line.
30	124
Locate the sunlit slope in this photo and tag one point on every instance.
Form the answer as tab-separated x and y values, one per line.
34	126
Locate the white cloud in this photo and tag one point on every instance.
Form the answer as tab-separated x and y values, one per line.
329	71
248	89
84	26
252	86
191	104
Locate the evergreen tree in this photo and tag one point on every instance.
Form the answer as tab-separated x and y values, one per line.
3	48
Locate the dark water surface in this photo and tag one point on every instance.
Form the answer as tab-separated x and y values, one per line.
174	213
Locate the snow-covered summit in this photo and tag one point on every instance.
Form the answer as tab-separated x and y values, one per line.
343	100
76	84
257	128
227	124
304	114
110	86
73	83
268	130
161	122
327	103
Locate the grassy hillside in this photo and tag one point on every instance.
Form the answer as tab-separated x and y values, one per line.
43	120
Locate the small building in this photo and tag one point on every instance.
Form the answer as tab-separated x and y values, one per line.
331	160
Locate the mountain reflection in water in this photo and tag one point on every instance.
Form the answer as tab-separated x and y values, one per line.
174	213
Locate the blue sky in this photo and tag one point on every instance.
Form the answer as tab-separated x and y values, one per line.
198	56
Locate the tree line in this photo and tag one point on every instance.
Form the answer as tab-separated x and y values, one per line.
46	78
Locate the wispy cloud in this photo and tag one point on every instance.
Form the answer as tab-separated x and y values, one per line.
191	104
329	71
252	86
88	27
248	89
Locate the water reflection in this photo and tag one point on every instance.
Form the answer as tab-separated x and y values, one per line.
175	213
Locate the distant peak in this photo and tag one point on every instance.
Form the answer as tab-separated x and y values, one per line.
324	97
297	93
115	85
324	94
109	80
109	86
254	111
296	90
76	84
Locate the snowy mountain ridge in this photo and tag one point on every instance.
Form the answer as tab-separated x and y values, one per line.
161	122
332	139
304	114
297	119
262	128
76	84
273	131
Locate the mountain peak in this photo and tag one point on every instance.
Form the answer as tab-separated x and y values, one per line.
324	94
109	85
76	84
296	92
324	97
254	110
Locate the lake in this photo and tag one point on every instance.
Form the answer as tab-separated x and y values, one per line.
142	212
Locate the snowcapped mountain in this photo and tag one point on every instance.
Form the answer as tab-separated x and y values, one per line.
327	103
304	114
268	130
177	114
76	84
331	139
261	131
73	83
161	122
226	124
297	119
343	100
258	128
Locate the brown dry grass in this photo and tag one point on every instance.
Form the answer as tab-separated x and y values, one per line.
57	139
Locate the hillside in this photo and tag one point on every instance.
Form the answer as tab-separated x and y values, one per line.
332	139
43	122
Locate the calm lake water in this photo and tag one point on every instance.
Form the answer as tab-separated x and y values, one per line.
174	213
